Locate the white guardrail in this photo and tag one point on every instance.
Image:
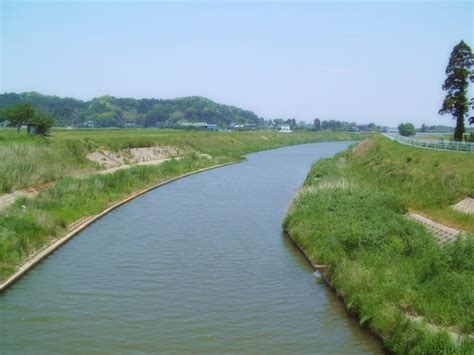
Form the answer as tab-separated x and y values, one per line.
432	143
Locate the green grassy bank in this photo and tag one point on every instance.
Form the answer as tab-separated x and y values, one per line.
29	224
26	161
349	215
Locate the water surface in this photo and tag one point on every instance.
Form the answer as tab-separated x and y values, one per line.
199	265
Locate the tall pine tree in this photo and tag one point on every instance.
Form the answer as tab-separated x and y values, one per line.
458	72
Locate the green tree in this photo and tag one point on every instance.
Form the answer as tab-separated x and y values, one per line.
406	129
157	114
458	72
43	122
25	114
372	126
19	115
471	119
317	124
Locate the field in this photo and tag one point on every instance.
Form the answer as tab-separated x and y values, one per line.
29	224
349	216
26	161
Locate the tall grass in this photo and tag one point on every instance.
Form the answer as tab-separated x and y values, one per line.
26	161
389	267
427	181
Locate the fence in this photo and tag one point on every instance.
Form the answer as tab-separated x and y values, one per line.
432	143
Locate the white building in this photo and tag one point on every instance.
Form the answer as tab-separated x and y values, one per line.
285	128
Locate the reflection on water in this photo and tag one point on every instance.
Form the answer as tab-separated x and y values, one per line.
199	265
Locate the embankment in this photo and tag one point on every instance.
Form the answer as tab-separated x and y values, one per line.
29	225
29	161
350	216
78	226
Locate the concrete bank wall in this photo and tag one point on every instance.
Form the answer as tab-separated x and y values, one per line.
43	253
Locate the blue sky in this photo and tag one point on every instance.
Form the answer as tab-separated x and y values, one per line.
357	61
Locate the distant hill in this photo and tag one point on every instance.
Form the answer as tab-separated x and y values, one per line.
109	111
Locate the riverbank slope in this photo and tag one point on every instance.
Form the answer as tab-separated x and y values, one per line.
75	192
350	217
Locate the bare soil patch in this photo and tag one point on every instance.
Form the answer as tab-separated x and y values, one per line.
109	159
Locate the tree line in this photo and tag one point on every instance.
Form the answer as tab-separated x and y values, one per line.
109	111
39	112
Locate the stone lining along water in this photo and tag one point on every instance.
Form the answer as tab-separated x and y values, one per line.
199	265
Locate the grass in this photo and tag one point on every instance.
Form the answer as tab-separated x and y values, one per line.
29	224
427	181
350	216
27	161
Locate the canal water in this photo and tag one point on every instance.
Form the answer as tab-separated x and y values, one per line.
199	265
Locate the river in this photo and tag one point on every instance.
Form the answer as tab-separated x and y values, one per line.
198	265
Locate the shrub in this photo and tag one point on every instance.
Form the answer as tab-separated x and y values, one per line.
406	129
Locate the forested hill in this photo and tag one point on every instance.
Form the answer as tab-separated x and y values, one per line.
109	111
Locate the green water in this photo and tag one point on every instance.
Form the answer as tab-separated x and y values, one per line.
200	265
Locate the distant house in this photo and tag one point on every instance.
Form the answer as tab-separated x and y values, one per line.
285	128
212	127
133	125
89	124
193	125
244	126
31	128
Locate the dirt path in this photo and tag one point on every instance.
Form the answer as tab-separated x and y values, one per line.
31	192
7	199
128	166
